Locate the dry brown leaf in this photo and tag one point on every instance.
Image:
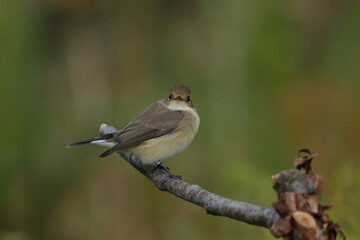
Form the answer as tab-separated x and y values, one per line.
281	227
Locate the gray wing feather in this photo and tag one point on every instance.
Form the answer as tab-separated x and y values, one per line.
154	121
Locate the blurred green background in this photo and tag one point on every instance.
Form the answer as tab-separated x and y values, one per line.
267	77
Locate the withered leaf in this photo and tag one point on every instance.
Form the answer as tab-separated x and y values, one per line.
281	227
286	204
304	159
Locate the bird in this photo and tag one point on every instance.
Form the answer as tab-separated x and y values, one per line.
162	130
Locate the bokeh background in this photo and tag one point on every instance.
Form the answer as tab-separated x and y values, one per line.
267	77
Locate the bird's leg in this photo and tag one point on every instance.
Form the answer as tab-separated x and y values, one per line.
168	171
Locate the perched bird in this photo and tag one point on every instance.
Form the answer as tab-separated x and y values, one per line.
160	131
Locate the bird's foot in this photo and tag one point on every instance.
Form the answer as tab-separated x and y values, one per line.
168	171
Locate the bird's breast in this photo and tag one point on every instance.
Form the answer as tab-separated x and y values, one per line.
161	148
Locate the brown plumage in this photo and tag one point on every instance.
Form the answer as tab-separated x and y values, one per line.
161	130
146	125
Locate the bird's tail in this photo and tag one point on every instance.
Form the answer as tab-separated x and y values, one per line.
89	141
80	143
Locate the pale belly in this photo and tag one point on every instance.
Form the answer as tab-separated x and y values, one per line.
159	149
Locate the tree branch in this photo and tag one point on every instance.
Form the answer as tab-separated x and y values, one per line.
297	214
212	203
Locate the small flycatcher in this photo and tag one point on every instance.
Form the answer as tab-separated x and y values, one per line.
160	131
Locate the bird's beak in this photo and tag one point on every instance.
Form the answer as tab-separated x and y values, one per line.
179	98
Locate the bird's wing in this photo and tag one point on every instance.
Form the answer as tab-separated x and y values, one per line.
154	121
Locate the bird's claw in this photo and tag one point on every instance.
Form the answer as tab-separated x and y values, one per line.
168	171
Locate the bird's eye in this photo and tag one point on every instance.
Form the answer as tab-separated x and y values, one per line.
188	99
170	96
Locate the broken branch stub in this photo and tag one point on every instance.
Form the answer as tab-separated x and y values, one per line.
301	215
